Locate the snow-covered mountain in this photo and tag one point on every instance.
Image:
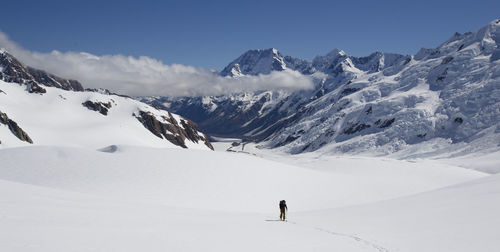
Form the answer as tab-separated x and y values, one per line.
43	109
445	99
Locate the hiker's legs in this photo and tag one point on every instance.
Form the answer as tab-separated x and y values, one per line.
282	214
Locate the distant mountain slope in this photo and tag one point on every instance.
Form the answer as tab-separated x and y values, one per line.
40	108
382	103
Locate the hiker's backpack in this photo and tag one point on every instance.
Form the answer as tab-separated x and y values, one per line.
282	204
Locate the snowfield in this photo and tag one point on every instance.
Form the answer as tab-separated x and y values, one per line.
127	198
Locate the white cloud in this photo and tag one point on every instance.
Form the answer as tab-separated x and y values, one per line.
145	76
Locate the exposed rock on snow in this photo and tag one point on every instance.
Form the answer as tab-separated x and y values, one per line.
54	81
14	128
100	107
168	128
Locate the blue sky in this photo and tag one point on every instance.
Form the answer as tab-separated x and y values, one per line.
210	34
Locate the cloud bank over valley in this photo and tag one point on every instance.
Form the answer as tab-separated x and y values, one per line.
146	76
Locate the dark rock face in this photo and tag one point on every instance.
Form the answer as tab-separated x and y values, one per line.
171	129
54	81
356	128
33	87
100	107
387	123
14	71
14	128
348	91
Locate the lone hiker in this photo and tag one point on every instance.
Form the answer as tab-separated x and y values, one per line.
283	209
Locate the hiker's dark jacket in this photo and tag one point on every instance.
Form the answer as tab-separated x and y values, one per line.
283	206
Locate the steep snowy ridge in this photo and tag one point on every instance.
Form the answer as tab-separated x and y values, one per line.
43	109
384	103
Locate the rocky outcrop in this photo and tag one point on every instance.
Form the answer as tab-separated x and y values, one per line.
193	134
33	87
14	128
51	80
168	128
100	107
15	72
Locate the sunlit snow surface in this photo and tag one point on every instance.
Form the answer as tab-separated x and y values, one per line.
125	198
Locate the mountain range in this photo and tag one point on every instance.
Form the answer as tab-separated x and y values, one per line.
440	101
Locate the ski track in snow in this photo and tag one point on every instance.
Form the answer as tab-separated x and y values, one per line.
353	237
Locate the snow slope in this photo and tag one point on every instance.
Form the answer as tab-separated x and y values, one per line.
40	219
37	107
462	217
60	117
219	180
125	198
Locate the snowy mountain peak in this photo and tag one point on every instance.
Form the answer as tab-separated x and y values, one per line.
491	31
254	62
236	71
330	61
336	53
333	55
